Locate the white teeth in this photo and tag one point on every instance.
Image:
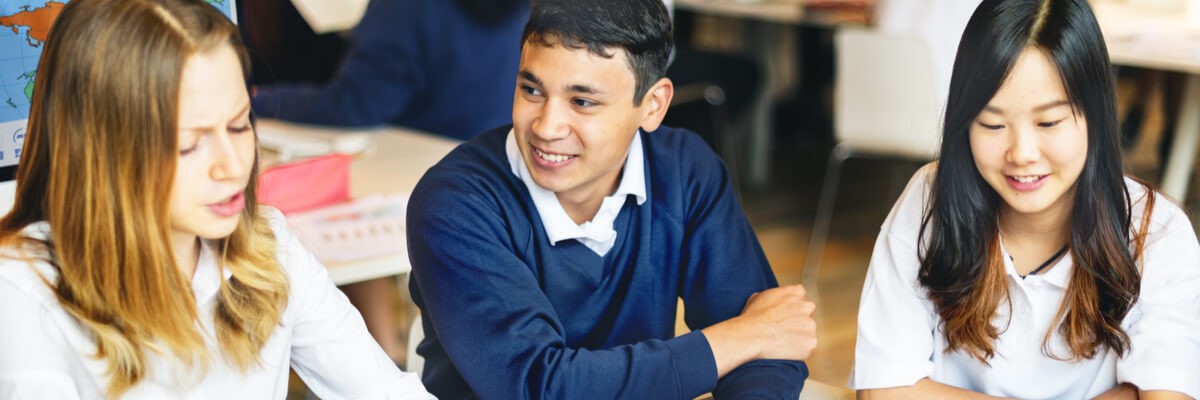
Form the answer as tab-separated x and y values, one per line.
1026	179
551	157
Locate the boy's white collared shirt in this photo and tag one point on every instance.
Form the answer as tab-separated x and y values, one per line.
597	234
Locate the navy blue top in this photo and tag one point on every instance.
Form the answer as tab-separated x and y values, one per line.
422	64
509	316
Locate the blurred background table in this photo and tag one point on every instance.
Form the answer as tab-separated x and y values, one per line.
392	163
1165	40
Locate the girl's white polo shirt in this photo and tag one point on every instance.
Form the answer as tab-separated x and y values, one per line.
899	340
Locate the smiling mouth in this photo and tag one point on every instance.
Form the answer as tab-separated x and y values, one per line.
551	157
1026	178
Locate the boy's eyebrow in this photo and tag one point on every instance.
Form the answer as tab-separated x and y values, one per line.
576	88
584	89
529	76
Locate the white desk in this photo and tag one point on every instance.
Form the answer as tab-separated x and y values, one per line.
1163	41
394	162
815	390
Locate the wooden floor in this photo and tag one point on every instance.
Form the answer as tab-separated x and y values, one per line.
782	216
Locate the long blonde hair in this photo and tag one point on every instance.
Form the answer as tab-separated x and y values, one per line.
98	166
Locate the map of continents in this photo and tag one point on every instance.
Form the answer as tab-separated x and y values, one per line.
24	25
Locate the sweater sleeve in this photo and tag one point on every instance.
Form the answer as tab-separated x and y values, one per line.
498	328
375	82
725	265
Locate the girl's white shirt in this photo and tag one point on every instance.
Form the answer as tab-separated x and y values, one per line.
900	342
46	354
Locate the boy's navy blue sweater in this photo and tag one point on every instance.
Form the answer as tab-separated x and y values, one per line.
507	315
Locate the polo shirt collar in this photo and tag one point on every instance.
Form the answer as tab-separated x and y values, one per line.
559	226
1058	274
206	281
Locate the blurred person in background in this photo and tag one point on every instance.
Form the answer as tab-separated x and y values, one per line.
418	64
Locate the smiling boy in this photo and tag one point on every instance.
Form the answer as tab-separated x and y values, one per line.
549	257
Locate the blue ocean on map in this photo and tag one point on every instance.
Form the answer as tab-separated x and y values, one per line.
19	54
23	26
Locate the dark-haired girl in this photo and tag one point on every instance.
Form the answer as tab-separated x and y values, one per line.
1024	263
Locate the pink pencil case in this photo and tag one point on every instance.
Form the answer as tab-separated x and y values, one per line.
306	184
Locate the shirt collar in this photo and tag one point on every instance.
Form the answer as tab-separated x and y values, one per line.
1058	275
206	281
559	226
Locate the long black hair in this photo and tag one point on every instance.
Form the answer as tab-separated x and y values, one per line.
961	269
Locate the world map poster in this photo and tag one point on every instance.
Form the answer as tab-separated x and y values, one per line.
24	25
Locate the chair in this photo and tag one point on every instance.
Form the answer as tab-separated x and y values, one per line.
723	139
886	105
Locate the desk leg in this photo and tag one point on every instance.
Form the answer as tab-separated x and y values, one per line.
1178	172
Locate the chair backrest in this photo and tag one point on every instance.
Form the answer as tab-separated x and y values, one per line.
886	100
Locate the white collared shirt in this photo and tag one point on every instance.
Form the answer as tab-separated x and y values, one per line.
899	341
46	354
597	234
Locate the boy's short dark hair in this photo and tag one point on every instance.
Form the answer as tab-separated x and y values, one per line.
641	27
